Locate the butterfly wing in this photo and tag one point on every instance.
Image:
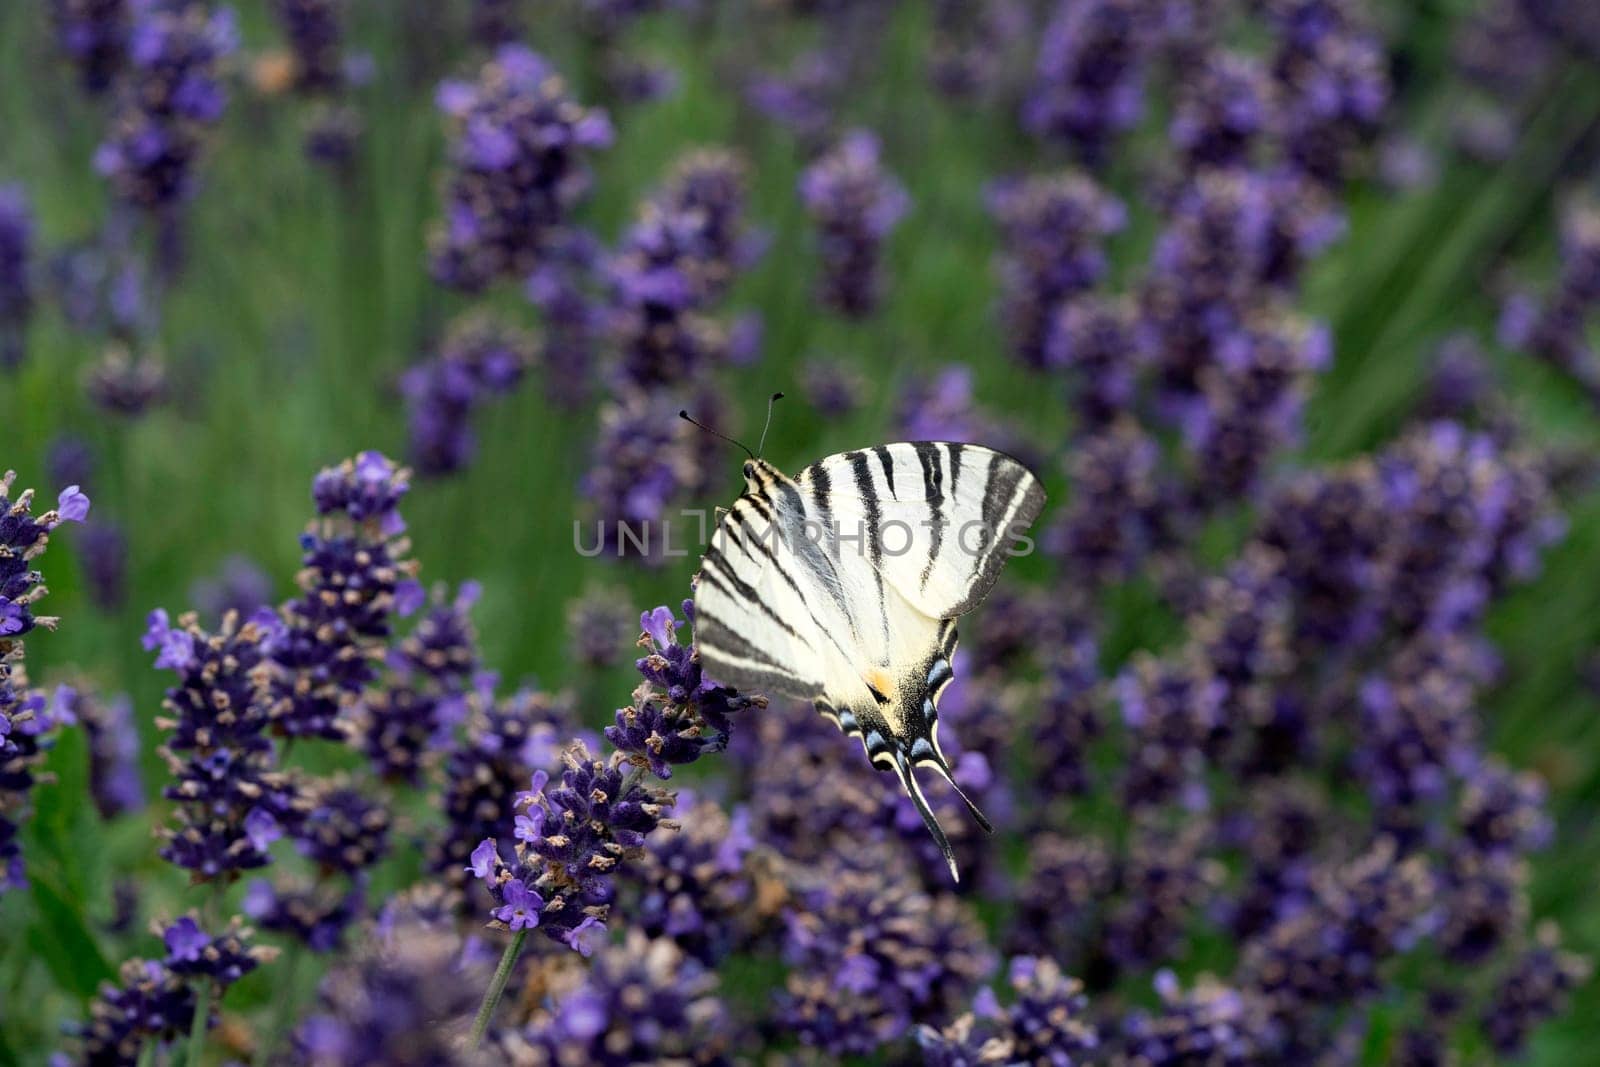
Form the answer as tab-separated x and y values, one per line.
937	520
752	624
957	510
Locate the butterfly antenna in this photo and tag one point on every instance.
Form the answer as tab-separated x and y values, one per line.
686	417
761	447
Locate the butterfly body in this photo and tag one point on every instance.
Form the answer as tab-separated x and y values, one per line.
841	587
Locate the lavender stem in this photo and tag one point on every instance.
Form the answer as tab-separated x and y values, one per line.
497	987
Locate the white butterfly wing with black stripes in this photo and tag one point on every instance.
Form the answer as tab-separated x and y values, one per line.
948	515
841	587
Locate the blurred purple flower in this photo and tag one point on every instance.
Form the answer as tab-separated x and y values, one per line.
854	204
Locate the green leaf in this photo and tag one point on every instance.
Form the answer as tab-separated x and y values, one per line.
63	940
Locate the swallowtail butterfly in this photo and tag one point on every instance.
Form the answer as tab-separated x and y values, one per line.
841	586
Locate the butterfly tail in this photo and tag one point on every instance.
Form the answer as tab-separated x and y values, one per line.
944	771
908	780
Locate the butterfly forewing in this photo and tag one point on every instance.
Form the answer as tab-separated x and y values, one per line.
937	519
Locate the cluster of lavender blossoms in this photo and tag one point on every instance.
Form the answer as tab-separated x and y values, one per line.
574	833
855	205
317	68
1233	738
169	93
28	716
479	358
16	281
672	267
519	144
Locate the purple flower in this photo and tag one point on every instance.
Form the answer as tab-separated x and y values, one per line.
521	908
170	93
518	148
1088	81
484	859
103	552
114	748
94	36
854	204
125	385
639	1002
480	358
1053	231
177	645
73	504
16	268
185	941
586	936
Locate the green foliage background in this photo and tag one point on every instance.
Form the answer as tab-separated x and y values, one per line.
304	297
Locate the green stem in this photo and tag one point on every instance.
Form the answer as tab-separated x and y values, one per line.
197	1032
497	987
283	1010
147	1052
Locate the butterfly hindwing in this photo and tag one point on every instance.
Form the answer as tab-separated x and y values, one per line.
937	519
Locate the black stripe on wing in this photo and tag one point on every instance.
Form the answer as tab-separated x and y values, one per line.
1012	500
933	486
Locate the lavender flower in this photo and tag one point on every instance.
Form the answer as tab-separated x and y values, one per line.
1172	709
1211	1023
600	625
833	388
317	916
854	204
94	36
16	284
675	262
342	829
1067	881
314	31
803	98
571	837
114	778
1224	112
232	802
1088	82
1053	230
694	885
871	956
27	716
405	994
1118	513
479	358
70	460
518	146
678	713
170	94
1327	954
1098	342
125	385
238	585
150	1003
1333	77
642	1001
103	555
574	320
355	579
1532	990
1554	331
505	742
1047	1023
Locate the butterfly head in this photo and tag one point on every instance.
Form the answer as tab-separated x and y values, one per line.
759	474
